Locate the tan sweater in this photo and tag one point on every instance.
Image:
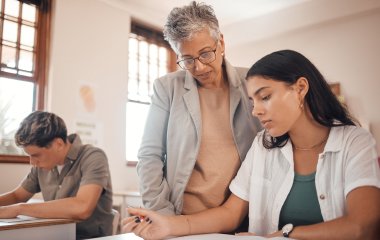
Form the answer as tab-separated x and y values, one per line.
218	159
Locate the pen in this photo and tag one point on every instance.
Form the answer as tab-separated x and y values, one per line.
141	217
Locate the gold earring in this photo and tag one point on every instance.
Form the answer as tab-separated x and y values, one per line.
301	105
223	54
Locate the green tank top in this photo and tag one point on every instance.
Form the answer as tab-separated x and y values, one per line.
301	207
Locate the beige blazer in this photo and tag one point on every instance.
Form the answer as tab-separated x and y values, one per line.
172	135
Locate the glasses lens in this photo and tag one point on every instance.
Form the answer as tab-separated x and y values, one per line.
187	63
207	57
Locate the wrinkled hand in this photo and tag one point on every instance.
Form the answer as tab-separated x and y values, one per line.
154	225
8	211
245	234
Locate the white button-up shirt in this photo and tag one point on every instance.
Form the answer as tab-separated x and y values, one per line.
265	178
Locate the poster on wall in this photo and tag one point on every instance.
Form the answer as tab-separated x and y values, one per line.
87	99
90	132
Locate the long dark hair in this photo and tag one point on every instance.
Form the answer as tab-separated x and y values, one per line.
288	66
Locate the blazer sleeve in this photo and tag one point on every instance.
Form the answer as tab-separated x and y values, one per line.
153	185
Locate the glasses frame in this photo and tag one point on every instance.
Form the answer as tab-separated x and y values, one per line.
214	51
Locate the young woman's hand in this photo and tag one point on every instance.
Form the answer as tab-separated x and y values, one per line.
153	226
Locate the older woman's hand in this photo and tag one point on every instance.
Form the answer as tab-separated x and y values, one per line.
153	226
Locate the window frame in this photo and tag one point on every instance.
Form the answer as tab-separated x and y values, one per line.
150	39
41	68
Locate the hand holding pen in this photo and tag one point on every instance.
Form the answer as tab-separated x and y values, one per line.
146	224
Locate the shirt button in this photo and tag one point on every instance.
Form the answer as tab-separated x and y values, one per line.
322	197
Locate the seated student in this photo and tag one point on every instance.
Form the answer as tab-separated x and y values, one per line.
311	174
74	178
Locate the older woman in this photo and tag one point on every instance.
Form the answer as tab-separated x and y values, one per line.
199	127
312	174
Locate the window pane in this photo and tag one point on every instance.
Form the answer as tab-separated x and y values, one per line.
143	49
143	68
8	57
27	35
136	117
143	88
28	12
10	31
16	102
26	61
132	65
153	72
163	54
132	45
12	7
153	52
163	70
29	74
132	86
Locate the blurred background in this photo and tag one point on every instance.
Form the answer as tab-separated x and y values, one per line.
93	62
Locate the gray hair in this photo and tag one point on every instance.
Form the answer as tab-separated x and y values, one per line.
40	128
183	24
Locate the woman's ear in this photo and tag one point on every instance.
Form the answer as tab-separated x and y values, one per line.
221	42
302	87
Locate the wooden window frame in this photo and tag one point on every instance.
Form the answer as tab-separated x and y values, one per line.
40	78
171	60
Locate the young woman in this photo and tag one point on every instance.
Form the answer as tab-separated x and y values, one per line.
311	174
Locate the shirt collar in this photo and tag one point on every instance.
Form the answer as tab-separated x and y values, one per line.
76	143
335	140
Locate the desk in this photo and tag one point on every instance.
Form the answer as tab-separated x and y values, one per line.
129	198
215	236
41	229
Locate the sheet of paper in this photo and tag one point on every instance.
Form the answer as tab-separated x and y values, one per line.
19	218
221	237
22	218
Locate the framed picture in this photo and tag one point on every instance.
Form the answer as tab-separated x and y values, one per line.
335	88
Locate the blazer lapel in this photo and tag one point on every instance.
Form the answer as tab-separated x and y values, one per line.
191	99
234	82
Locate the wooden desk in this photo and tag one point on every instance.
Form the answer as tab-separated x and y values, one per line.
41	229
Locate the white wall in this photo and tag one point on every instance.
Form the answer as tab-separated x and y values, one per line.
89	43
345	50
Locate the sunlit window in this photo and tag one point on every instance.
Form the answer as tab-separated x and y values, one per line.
150	57
24	34
18	46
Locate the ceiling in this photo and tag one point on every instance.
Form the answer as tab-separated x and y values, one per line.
228	11
243	21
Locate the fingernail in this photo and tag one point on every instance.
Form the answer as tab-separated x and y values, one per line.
137	217
137	220
147	219
150	222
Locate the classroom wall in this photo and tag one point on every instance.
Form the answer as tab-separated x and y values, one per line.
345	50
89	43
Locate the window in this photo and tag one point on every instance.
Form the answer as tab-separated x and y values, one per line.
150	57
24	35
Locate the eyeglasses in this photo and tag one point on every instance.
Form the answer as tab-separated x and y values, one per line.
205	58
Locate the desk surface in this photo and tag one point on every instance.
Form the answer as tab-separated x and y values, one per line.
132	236
35	223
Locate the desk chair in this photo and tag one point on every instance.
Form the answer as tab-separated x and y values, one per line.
115	221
